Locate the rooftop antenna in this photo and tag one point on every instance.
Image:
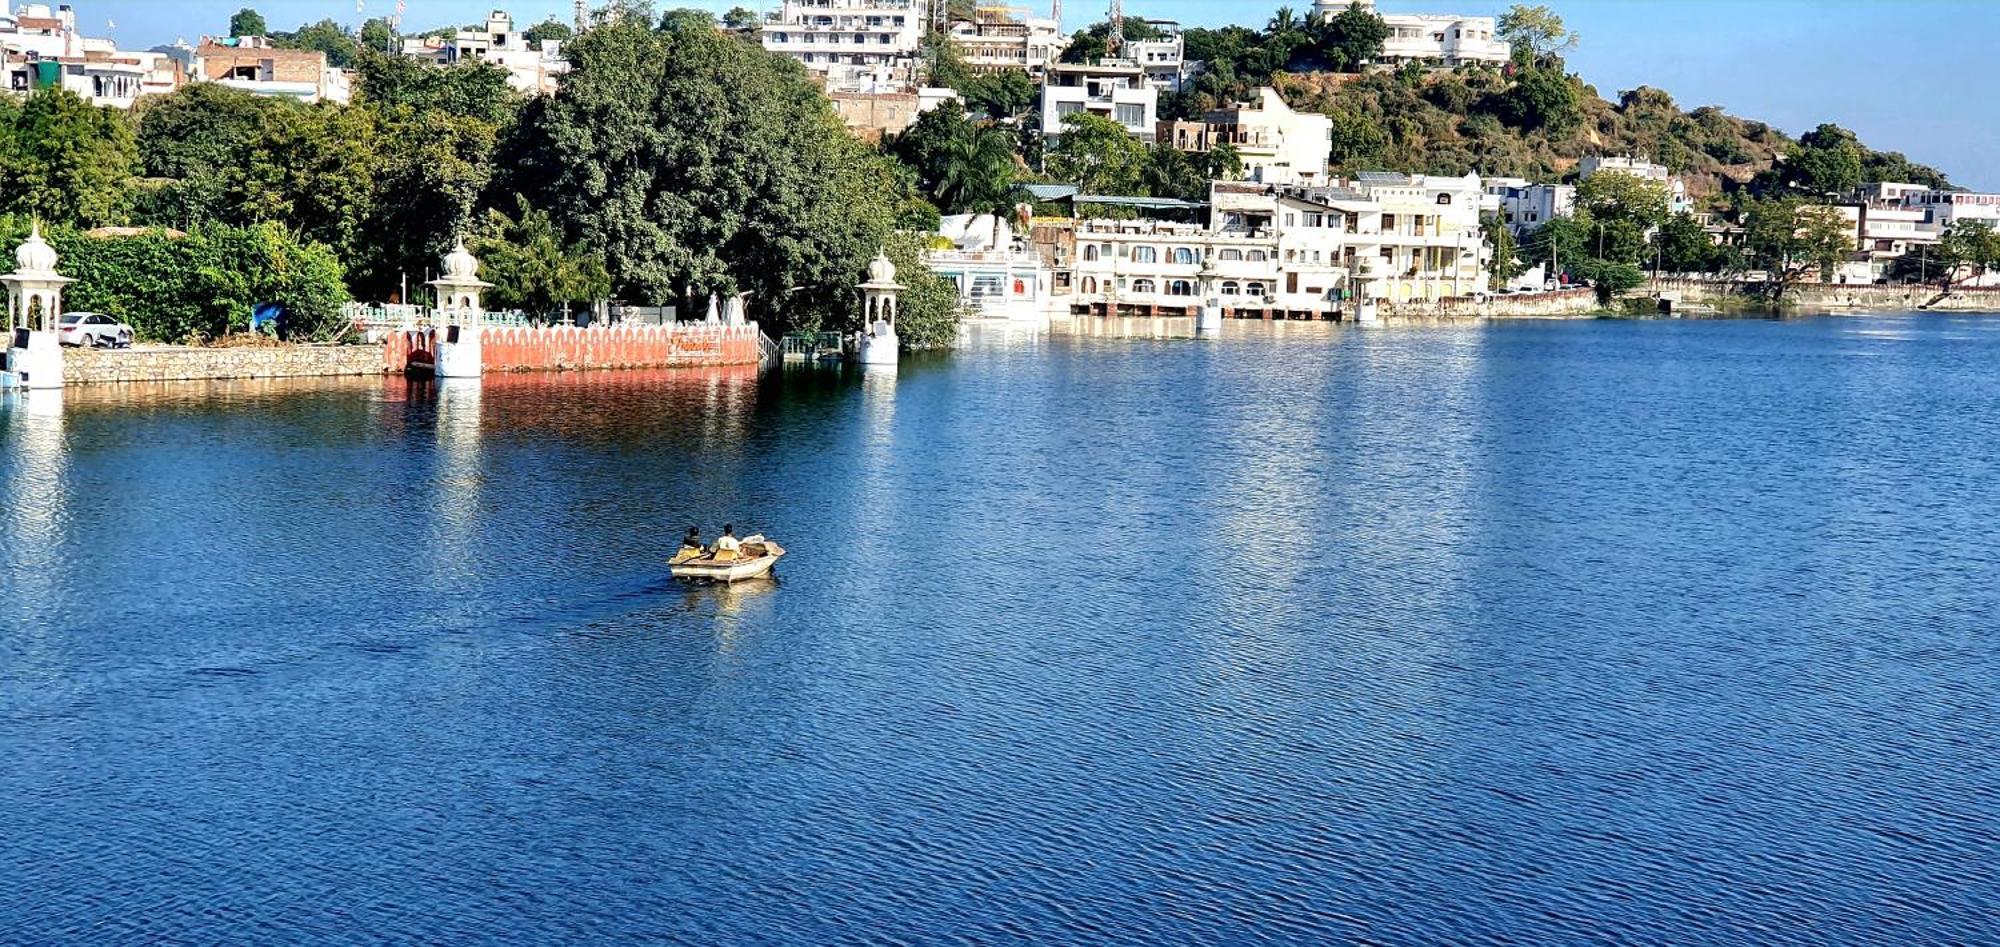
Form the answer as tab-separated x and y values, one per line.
1055	13
1114	38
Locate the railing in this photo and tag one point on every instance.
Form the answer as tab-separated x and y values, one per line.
799	346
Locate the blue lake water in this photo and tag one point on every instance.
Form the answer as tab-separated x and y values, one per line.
1650	632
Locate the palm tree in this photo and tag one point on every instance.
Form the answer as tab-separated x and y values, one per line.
976	175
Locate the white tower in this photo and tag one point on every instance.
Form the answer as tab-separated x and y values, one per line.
458	315
878	343
34	317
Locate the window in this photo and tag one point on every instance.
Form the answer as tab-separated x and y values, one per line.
1444	198
1089	252
1144	255
1183	255
1067	108
1142	286
1315	220
1231	255
1254	289
1090	284
1257	256
1131	116
987	284
1180	287
1229	288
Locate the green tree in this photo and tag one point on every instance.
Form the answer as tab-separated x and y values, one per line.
377	35
326	36
187	141
471	89
1352	37
65	160
1614	197
1967	250
1684	247
1170	172
1791	240
1541	98
695	162
532	267
1006	93
1097	155
927	309
742	19
432	168
248	22
312	168
1356	142
1826	160
549	29
1536	33
1501	245
204	284
962	166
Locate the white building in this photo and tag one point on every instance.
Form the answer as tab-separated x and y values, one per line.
1114	88
1164	59
992	44
535	68
1292	252
1434	39
850	43
1525	205
40	48
1944	208
1277	144
998	277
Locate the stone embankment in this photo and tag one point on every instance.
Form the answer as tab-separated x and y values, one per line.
1563	304
178	363
1824	296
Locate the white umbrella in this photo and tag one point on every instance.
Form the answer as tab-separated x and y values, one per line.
735	310
713	316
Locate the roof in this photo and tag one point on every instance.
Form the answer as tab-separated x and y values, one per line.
1066	192
1382	177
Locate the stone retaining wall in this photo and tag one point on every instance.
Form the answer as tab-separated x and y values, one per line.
1812	296
1568	303
94	366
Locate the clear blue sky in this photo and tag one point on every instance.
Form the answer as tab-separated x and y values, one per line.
1915	76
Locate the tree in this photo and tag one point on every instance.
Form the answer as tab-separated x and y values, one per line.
1352	37
187	141
532	267
549	29
1097	155
1541	98
1684	247
927	312
1355	142
377	35
248	22
432	168
65	160
1790	239
204	284
1615	197
1170	172
326	36
962	166
1967	250
468	88
741	19
1536	33
312	168
1826	161
1006	93
694	162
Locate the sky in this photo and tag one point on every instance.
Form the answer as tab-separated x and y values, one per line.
1914	76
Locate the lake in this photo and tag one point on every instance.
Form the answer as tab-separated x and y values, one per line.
1543	632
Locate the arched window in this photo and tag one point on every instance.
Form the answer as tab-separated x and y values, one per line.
1142	286
1444	198
1232	255
1089	252
1257	256
1180	287
1183	255
1254	289
1144	255
1089	282
1229	288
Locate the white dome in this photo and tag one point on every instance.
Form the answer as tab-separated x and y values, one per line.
460	264
35	255
880	270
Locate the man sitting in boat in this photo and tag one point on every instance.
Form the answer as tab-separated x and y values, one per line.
690	545
726	546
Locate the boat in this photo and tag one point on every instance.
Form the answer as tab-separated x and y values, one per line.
754	558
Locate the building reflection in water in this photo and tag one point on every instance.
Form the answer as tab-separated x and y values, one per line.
36	510
459	480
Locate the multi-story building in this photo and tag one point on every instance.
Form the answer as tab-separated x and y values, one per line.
1944	208
535	68
1677	199
1291	251
1276	144
1113	88
850	43
40	48
1164	58
250	63
871	115
1432	39
992	44
1524	205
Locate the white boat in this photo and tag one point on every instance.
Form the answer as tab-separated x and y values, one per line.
754	558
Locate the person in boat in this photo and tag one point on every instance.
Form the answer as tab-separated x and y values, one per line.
691	543
727	541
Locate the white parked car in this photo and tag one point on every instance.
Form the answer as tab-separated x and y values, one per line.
93	329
